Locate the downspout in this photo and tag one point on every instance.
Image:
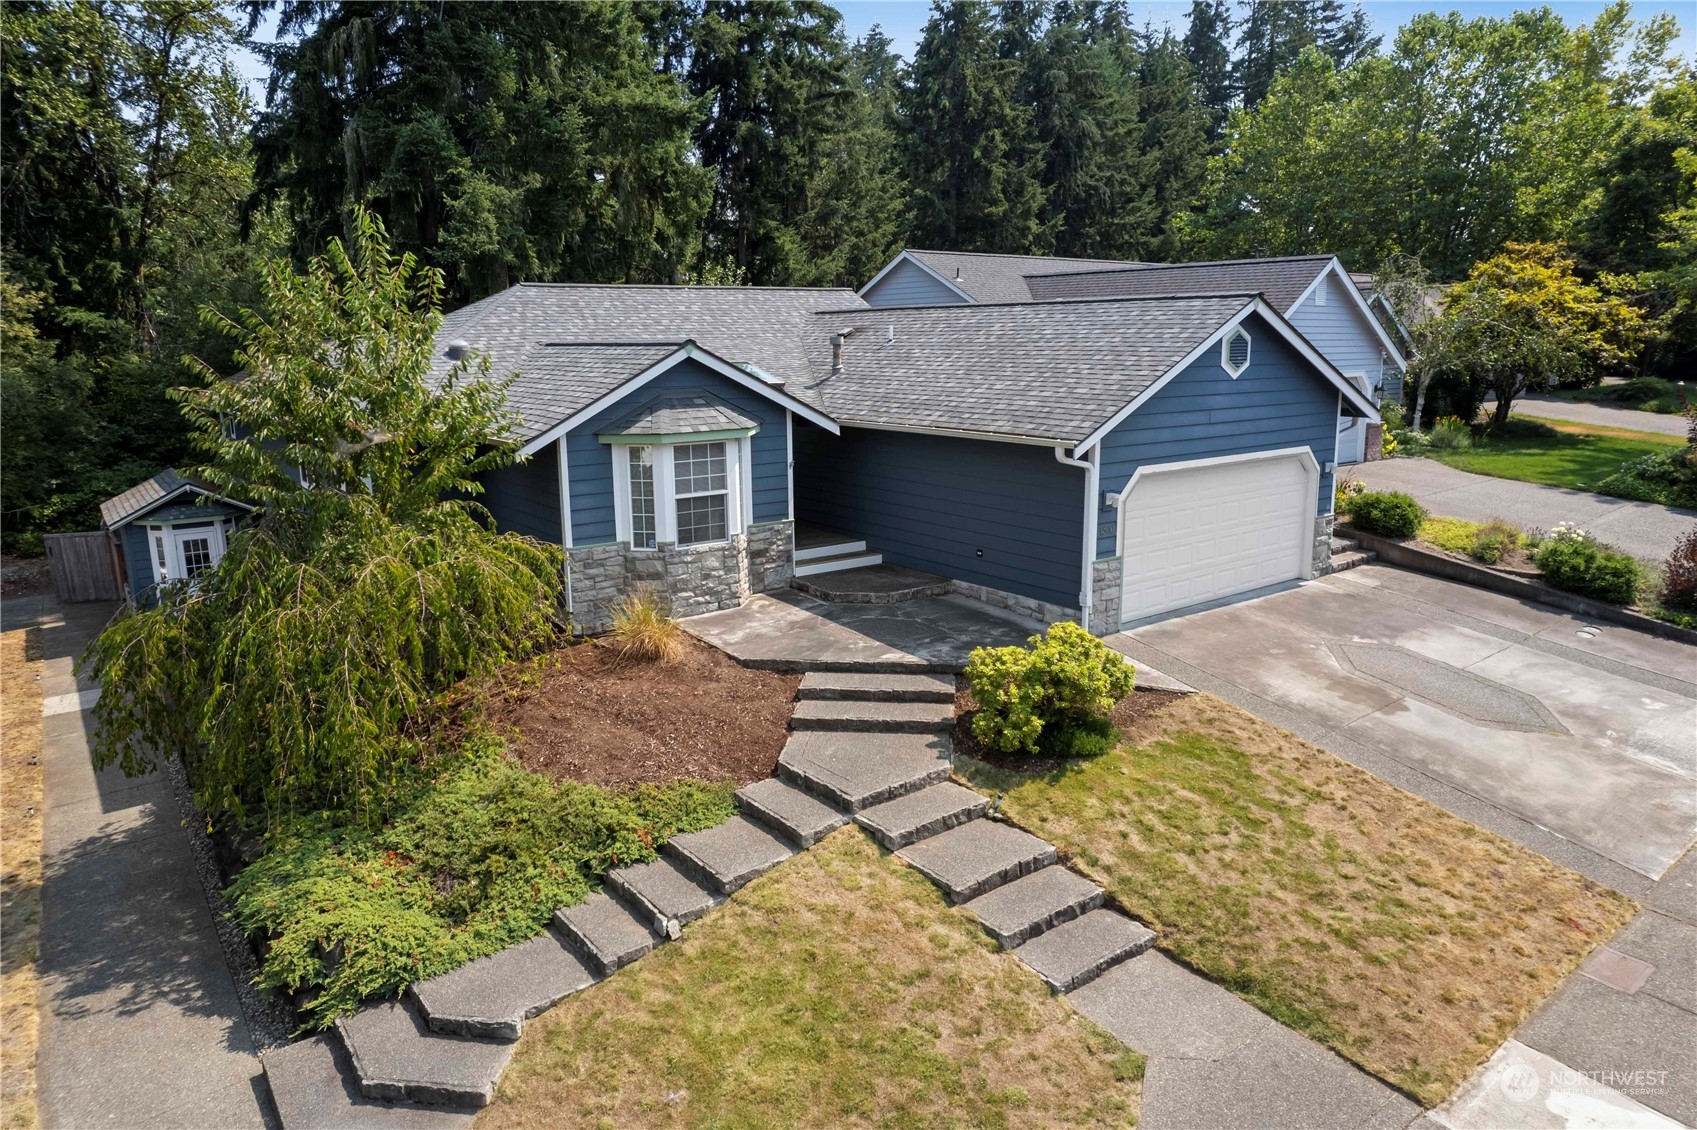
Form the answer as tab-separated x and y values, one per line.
1092	483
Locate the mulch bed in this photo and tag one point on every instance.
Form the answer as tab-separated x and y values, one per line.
1131	709
583	716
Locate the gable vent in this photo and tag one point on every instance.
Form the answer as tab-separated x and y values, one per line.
1234	351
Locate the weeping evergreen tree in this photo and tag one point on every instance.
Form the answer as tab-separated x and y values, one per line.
301	673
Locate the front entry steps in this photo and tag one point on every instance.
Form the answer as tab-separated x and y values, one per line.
818	552
873	717
871	583
446	1042
1347	554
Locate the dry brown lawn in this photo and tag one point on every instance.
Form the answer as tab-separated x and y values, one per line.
837	990
1405	938
20	871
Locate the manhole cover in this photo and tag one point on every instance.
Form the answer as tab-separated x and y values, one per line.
1446	687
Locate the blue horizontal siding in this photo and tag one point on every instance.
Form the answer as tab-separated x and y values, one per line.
591	461
936	503
1279	401
524	498
909	284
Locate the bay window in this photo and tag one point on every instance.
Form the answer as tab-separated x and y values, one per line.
681	493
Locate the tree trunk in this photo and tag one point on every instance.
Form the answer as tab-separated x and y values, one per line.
1419	400
1505	401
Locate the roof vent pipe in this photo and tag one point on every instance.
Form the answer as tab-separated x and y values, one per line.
836	354
891	339
458	348
957	274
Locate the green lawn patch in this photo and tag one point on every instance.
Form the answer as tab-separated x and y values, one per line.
837	990
1576	456
477	859
1403	937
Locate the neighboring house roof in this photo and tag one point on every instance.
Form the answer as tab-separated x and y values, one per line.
1048	372
693	412
1283	281
145	497
996	278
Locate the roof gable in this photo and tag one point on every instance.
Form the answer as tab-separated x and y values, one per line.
986	277
148	496
1283	281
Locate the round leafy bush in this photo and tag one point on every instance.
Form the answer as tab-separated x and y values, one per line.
1051	696
1571	559
1666	477
1390	514
1451	434
1679	576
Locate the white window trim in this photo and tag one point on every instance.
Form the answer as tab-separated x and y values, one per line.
739	493
1236	371
173	535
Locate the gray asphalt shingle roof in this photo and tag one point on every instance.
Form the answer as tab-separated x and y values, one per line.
121	508
681	413
571	344
1052	371
1002	278
1281	280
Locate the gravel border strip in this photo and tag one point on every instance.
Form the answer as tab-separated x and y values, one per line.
270	1018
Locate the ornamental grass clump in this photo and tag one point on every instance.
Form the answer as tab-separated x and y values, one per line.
1052	696
1493	540
643	632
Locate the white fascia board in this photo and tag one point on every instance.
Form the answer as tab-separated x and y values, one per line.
965	297
1280	326
186	488
688	351
1336	268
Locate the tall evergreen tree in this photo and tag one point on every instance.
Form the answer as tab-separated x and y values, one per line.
1207	47
772	74
1090	137
501	141
1276	32
1175	140
972	185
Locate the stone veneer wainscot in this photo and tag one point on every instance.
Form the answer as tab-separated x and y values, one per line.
693	579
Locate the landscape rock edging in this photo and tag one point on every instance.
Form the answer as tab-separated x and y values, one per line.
1408	556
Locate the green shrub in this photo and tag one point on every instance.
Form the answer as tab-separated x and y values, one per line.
1493	540
1666	477
1392	415
1346	489
479	859
1451	434
1390	514
1571	559
1052	696
1650	394
1453	535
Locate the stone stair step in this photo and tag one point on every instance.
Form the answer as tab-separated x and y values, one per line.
921	815
395	1056
606	930
1079	951
313	1087
837	562
1342	561
727	855
790	810
860	687
857	770
493	996
1344	545
977	857
663	891
1016	912
873	717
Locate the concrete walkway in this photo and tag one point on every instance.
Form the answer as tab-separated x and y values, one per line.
1642	529
1603	415
140	1022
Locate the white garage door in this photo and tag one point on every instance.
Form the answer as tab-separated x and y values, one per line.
1189	536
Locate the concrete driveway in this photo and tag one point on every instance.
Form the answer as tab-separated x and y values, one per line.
1578	740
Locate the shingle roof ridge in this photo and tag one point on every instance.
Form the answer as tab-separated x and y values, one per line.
960	307
656	342
1144	268
1110	264
741	287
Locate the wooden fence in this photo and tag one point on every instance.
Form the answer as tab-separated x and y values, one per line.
84	566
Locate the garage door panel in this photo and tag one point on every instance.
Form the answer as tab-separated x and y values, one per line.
1195	535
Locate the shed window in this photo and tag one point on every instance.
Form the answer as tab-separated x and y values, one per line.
1234	351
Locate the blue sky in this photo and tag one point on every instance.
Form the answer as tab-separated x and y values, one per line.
904	20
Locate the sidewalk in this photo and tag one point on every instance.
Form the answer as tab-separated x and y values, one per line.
140	1022
1603	415
1642	529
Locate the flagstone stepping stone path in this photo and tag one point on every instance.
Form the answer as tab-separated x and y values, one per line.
865	746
